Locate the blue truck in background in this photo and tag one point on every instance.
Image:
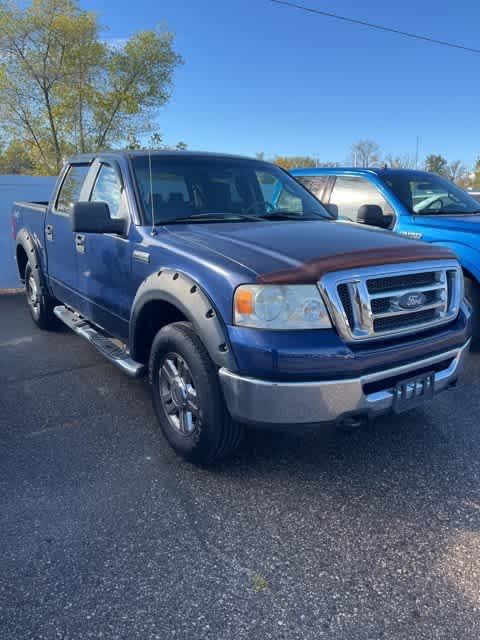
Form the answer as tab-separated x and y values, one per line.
417	204
241	310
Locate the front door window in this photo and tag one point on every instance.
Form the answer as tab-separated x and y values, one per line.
350	193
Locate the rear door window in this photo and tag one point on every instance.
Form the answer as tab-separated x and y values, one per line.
71	187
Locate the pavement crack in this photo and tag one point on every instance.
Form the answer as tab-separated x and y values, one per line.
254	580
190	510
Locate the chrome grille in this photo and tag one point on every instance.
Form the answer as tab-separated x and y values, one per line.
346	302
401	282
393	322
372	303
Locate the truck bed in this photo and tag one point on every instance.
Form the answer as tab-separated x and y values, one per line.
30	218
35	206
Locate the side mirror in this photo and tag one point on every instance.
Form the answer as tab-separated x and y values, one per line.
94	217
332	209
372	215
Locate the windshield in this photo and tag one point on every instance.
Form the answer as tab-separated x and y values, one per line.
430	194
196	188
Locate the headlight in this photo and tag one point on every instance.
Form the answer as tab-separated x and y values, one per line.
271	306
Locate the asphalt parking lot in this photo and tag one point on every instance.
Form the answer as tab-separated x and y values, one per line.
105	533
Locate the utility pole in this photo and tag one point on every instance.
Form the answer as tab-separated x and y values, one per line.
416	152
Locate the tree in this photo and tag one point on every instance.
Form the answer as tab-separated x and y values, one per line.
156	140
399	162
475	184
436	164
289	162
63	89
457	172
133	143
15	158
365	153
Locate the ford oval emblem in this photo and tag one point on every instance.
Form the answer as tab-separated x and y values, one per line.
412	300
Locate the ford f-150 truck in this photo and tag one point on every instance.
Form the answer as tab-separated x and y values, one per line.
416	204
241	311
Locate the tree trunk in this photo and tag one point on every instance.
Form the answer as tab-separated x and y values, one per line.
53	129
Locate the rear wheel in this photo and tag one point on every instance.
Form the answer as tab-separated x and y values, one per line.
472	293
40	303
187	397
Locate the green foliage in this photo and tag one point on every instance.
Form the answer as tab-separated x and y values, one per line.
64	90
476	175
436	163
454	171
155	142
16	158
289	162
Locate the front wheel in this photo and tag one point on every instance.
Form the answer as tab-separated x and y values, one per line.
187	397
472	293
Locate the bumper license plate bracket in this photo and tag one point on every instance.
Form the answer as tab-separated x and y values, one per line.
413	392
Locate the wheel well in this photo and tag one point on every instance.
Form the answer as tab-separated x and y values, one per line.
473	287
154	315
468	275
22	260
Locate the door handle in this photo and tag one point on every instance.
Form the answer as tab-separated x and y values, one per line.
80	243
49	232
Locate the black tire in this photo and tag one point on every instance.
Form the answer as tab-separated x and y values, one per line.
39	302
472	293
210	433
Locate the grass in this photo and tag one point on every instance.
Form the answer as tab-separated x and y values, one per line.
259	582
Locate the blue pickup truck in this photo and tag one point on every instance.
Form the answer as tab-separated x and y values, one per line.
415	204
241	311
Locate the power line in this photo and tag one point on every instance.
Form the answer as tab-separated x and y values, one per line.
379	27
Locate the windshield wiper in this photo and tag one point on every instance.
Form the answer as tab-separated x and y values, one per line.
290	215
238	217
212	217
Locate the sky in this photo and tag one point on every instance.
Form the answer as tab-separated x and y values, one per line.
259	77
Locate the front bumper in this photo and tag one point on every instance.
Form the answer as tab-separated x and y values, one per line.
267	402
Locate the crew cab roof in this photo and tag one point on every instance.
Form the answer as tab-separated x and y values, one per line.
166	153
357	171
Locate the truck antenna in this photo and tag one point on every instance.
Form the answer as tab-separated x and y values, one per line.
153	231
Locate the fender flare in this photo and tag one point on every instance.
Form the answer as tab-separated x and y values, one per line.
25	240
183	292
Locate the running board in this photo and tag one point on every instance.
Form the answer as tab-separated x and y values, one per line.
107	347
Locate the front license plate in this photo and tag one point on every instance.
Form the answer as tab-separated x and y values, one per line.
413	392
